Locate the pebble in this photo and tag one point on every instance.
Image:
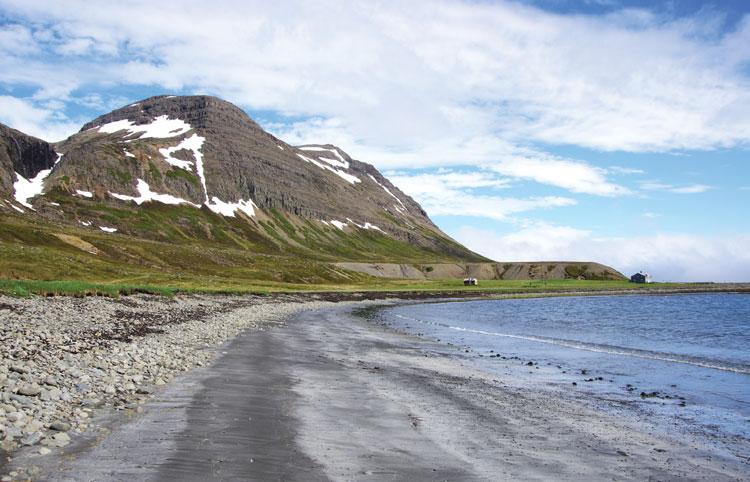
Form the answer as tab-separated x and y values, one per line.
30	390
64	358
60	426
16	416
59	439
31	439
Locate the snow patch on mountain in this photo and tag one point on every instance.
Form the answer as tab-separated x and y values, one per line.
365	226
160	127
146	194
343	175
388	191
192	143
107	229
84	193
338	224
341	162
228	209
25	189
341	225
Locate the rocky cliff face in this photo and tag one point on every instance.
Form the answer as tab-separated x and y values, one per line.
204	153
21	155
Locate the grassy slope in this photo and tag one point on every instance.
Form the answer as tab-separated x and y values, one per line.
186	249
197	251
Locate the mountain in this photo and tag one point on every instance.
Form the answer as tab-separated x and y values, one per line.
195	177
23	157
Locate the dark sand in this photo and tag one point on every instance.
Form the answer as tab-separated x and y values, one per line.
330	396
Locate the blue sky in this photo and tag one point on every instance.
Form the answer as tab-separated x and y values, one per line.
606	130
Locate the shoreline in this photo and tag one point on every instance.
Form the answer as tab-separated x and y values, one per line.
66	360
702	399
312	368
302	352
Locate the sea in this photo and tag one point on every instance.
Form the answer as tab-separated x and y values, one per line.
675	363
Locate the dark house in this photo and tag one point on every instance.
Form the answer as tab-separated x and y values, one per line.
639	278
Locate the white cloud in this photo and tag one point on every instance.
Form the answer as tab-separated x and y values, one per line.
572	175
46	124
16	39
660	186
624	170
668	257
452	193
448	179
464	71
693	189
486	152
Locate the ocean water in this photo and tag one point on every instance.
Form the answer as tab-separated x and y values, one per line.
680	363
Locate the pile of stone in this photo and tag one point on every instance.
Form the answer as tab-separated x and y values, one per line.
62	358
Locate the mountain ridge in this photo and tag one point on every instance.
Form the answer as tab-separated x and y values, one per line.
198	172
201	151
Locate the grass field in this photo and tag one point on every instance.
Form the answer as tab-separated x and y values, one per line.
43	258
488	287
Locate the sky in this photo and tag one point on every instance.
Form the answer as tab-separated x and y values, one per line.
606	130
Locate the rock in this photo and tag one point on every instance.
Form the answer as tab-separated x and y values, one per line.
13	432
33	426
44	395
19	369
59	439
30	390
92	402
31	439
59	426
82	387
14	417
50	380
44	451
49	395
113	372
21	400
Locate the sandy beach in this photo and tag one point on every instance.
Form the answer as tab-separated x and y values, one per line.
328	395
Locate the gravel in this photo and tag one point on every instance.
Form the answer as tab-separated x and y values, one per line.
61	359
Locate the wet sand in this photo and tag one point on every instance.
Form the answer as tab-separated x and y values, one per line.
330	396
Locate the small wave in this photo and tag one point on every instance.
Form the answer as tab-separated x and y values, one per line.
601	348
